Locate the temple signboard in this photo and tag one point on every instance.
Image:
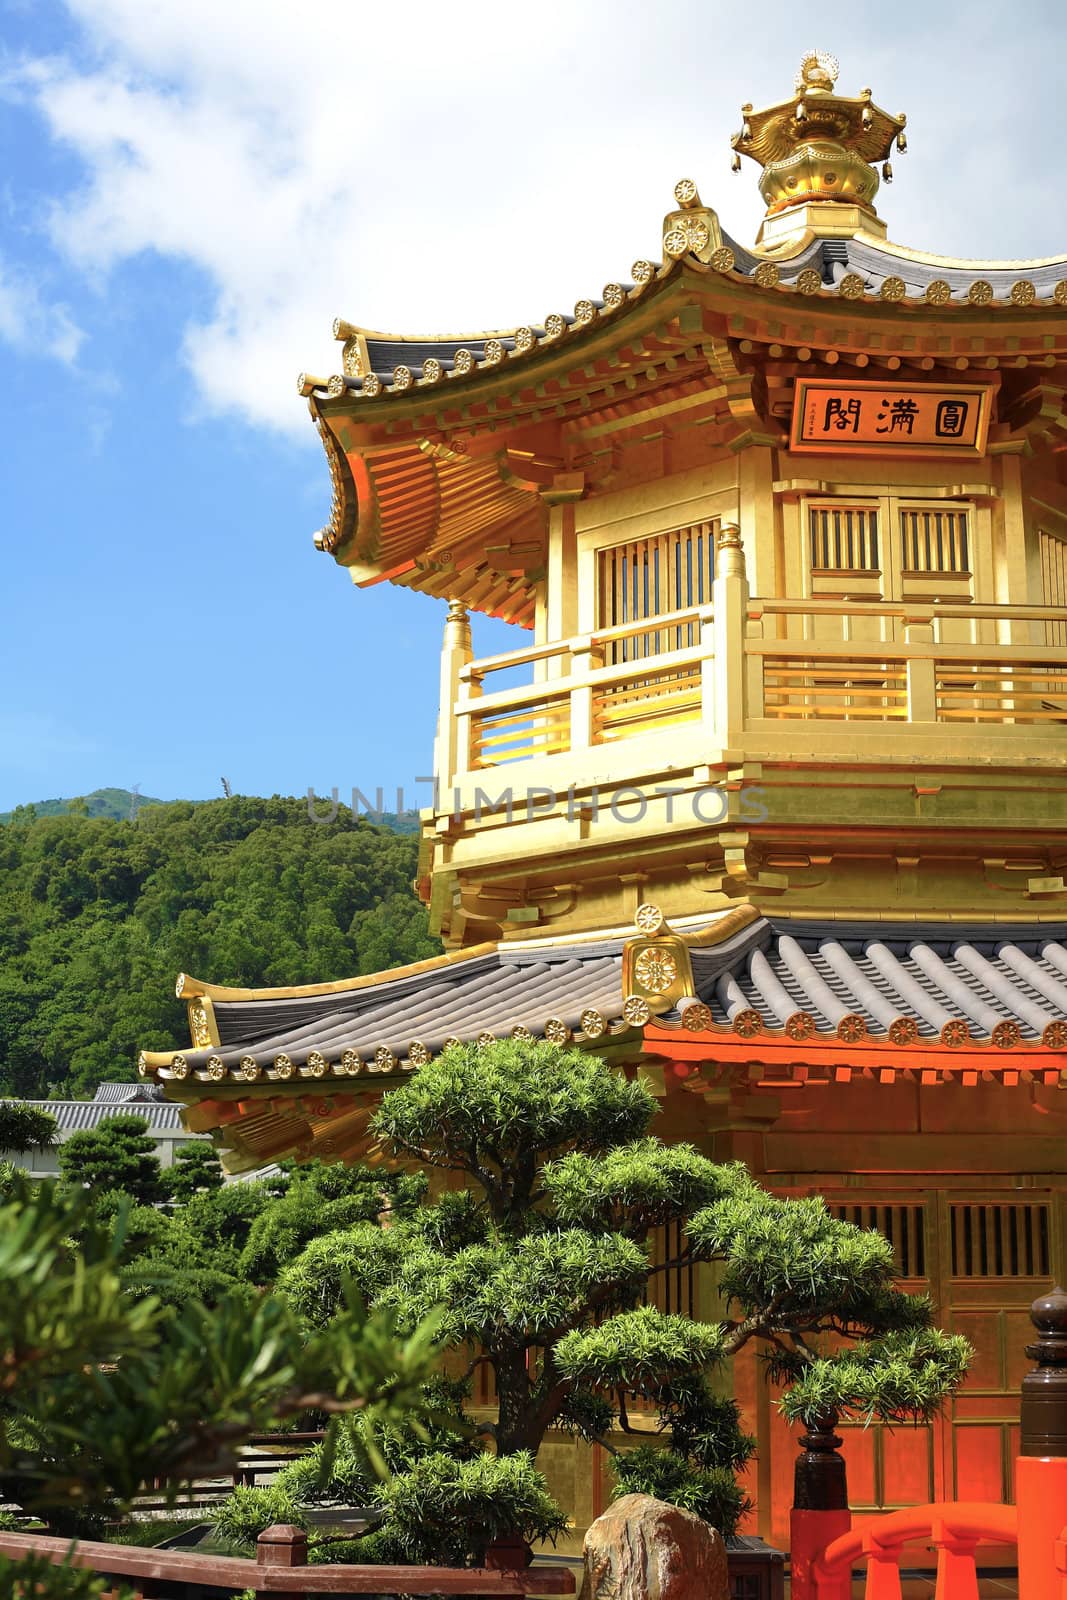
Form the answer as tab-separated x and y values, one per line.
890	418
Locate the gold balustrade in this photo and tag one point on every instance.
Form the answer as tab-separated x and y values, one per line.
762	666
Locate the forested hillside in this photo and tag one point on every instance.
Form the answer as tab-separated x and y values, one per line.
98	915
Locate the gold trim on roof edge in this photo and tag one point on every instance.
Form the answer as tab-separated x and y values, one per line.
188	987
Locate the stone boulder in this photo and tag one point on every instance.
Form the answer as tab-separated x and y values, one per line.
644	1549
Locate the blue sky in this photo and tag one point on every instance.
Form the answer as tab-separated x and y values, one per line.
192	191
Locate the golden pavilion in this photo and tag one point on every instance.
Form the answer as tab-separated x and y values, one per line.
773	804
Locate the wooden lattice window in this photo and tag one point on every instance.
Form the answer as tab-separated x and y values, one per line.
1054	584
844	537
935	538
673	1289
902	1225
646	578
991	1240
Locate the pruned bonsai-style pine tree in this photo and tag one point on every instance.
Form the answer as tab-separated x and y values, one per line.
542	1266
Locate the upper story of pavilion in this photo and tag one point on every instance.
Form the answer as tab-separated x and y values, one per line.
788	527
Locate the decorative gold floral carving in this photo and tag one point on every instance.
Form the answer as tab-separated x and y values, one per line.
747	1023
494	353
903	1030
1023	293
636	1011
521	1032
372	386
767	275
555	325
592	1023
852	286
283	1067
655	969
419	1054
462	363
648	918
809	281
317	1064
351	359
524	340
955	1033
584	312
642	272
1059	293
402	378
1007	1034
557	1031
179	1067
351	1064
614	295
697	1017
801	1025
980	292
199	1027
431	370
723	259
249	1069
893	289
938	293
852	1028
384	1059
1055	1035
484	1040
216	1068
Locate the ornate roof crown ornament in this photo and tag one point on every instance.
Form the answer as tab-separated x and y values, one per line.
656	969
819	145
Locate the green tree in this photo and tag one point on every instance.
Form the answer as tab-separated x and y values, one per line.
542	1264
98	913
101	1392
117	1154
321	1199
24	1128
196	1169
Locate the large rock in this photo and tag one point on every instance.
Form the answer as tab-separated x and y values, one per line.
644	1549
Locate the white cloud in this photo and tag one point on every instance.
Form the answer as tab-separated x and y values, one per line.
30	324
422	166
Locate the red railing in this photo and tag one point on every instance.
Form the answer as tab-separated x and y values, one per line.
825	1547
954	1531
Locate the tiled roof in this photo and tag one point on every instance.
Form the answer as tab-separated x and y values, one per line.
857	268
903	984
298	1072
73	1116
122	1091
392	1025
890	981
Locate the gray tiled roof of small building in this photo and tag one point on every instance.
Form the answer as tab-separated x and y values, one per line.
73	1116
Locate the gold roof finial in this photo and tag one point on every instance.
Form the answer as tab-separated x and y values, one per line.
819	146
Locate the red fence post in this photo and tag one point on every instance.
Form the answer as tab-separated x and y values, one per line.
1041	1469
283	1545
820	1511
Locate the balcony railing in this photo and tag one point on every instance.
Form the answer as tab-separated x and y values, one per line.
743	670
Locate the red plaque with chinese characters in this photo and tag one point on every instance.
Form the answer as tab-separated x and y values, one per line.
890	418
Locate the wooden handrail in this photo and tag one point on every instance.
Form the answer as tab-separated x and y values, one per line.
914	610
235	1573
